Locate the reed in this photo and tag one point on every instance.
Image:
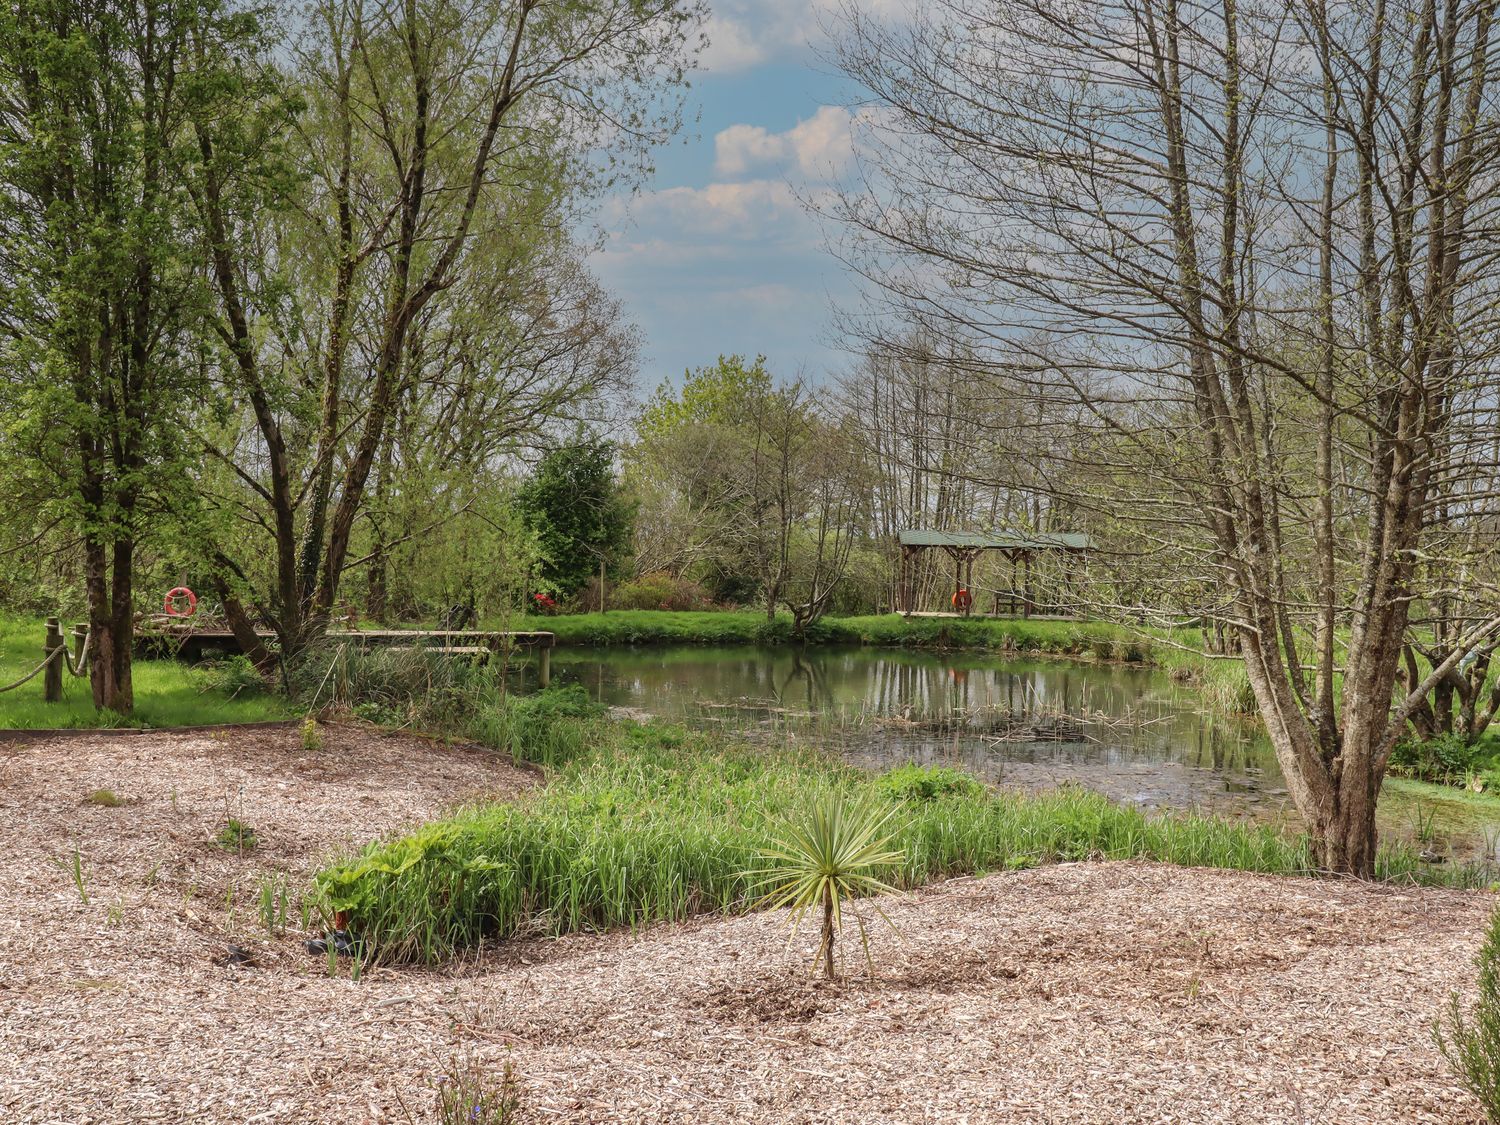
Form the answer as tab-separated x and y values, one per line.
643	823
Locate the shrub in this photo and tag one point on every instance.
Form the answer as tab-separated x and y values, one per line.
927	783
1471	1043
312	737
658	590
1435	759
825	859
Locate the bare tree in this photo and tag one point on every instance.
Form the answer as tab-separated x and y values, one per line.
1252	241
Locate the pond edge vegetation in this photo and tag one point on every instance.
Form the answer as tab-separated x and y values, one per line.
642	823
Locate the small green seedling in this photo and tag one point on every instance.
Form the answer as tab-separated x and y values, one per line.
72	866
312	737
237	836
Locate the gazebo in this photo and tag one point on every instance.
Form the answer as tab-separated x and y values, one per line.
963	547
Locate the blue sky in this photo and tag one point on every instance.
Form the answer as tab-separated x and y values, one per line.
717	253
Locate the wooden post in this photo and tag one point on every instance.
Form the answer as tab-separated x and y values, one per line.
80	641
1026	566
52	678
544	664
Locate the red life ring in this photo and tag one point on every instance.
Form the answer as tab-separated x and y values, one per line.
962	600
170	608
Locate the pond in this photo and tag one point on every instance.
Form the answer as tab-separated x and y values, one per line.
1129	732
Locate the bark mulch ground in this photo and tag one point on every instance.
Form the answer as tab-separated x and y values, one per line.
1121	992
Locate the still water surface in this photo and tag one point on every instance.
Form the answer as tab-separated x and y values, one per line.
1130	732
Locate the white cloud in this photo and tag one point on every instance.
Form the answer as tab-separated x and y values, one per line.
756	210
731	46
824	143
821	147
746	33
739	148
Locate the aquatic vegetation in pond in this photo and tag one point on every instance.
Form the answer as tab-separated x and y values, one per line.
648	823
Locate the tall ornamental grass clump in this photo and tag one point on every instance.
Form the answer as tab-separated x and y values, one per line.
642	823
413	687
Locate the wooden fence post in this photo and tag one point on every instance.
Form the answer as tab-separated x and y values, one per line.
80	643
544	664
52	681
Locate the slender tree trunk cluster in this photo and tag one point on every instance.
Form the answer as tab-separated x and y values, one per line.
1251	246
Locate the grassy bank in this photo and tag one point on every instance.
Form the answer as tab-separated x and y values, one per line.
648	823
1072	638
167	692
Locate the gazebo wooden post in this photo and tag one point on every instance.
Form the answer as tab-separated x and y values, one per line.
906	587
1026	589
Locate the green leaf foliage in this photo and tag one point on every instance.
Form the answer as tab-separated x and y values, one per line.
581	519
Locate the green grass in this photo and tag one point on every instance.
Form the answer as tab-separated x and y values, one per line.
167	693
648	823
650	626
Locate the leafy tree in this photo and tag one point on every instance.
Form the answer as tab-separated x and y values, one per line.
101	285
722	394
416	284
576	508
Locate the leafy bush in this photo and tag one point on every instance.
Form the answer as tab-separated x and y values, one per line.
660	590
927	783
1443	758
1471	1043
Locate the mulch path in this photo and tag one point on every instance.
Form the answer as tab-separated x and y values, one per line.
1111	992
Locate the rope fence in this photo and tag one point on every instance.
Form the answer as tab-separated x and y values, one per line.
57	659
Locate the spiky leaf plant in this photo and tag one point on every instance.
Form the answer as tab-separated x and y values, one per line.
1471	1043
830	856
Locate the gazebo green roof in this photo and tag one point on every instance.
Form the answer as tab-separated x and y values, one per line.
997	540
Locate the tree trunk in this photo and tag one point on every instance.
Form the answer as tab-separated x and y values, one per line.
111	625
828	932
376	591
1344	834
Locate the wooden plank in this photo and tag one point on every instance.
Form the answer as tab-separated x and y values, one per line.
190	643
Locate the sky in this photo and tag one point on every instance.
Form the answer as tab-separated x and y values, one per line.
716	254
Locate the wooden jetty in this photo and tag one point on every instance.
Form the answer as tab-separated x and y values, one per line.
194	644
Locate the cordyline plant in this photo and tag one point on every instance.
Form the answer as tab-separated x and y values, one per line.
829	857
